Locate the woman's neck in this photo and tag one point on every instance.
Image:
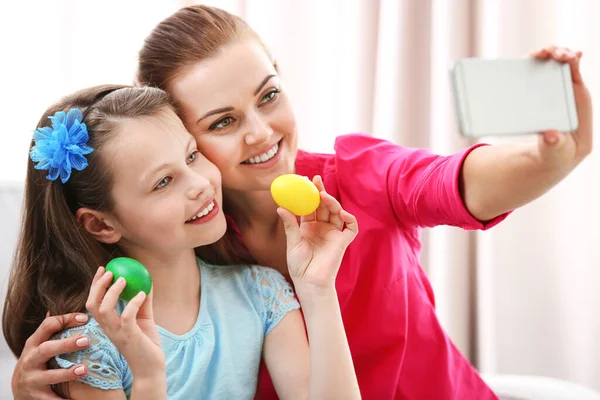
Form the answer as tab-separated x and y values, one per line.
255	214
252	210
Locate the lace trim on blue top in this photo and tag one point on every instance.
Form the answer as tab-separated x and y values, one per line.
102	358
277	295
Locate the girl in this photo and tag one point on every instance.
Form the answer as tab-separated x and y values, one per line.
116	174
246	127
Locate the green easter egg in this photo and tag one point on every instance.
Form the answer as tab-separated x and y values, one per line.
136	276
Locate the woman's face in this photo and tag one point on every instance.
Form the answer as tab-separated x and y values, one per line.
237	110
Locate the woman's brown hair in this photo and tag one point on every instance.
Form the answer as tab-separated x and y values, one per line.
56	258
191	35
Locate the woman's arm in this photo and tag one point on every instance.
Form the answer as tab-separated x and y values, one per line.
417	188
497	179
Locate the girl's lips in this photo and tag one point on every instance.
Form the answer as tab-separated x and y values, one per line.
208	217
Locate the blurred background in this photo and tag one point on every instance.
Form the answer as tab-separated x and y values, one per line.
523	298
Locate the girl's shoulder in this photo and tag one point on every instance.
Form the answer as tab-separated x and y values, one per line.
107	368
265	289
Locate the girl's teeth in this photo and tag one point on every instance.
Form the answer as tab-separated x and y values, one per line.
203	212
264	156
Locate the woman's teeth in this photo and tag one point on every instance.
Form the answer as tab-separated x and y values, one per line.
264	156
203	212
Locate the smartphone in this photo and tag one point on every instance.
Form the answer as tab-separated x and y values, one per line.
512	96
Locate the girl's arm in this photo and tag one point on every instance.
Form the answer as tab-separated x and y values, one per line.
287	358
325	371
314	254
141	389
332	373
78	390
134	334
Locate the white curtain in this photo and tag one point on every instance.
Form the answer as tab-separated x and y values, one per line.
520	298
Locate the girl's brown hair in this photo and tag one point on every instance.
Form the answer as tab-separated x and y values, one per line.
56	258
191	35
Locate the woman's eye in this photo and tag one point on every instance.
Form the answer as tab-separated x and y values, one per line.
269	96
163	182
222	123
192	157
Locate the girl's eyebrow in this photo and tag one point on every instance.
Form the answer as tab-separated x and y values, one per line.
191	143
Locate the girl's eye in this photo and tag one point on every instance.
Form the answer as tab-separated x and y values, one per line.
192	157
222	123
270	96
163	182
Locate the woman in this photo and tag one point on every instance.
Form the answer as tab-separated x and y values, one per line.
247	128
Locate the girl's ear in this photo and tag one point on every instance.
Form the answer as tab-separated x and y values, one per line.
99	225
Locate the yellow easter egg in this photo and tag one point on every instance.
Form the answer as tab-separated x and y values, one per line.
295	193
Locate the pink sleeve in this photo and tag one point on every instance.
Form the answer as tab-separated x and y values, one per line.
415	186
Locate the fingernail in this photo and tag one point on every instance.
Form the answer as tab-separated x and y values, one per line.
81	318
82	342
79	371
121	280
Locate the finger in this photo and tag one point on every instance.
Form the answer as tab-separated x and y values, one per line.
107	312
146	307
322	213
53	348
351	229
574	64
334	207
543	53
52	325
60	375
290	224
129	315
98	291
570	57
308	218
99	273
552	138
318	181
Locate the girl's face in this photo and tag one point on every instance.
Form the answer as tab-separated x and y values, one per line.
167	194
237	110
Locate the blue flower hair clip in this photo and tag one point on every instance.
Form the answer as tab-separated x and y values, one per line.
62	147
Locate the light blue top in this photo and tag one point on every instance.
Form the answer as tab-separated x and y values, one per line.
220	356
